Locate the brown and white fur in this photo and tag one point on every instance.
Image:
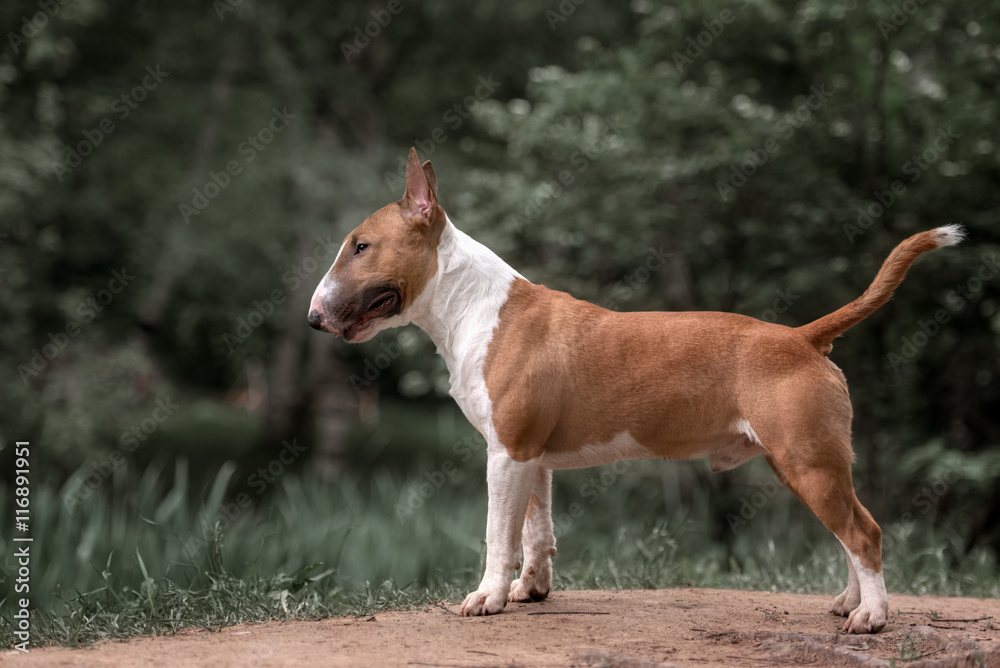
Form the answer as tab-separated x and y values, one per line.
552	382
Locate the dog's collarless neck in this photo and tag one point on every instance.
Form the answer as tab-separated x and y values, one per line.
460	306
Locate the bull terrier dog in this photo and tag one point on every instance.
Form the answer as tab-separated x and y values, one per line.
552	382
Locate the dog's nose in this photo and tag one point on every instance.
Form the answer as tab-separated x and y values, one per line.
315	319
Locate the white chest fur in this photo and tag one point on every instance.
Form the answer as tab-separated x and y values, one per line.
460	309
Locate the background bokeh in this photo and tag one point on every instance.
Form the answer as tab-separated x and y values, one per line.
176	177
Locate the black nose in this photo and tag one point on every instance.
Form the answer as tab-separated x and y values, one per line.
315	319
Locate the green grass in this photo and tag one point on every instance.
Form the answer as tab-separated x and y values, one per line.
142	558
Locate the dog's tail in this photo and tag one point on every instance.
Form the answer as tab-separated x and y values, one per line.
822	332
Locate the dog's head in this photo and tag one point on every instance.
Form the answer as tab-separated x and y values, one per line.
384	264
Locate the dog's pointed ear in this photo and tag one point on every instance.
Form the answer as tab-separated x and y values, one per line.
419	202
431	178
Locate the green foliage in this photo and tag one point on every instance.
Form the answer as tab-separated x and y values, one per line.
746	150
147	560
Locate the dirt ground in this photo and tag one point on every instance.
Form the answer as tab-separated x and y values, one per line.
627	629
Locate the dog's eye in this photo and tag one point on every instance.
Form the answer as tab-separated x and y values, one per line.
359	248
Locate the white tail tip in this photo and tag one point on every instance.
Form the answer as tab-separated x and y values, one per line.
949	235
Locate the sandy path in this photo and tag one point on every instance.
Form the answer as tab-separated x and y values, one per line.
634	629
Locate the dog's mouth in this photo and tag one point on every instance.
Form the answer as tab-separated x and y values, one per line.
385	304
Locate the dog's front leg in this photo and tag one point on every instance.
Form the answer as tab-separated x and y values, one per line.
539	542
509	484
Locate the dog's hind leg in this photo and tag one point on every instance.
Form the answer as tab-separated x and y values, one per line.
850	598
538	541
820	475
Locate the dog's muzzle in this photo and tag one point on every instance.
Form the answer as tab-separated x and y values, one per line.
315	319
349	318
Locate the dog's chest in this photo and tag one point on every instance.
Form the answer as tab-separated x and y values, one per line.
468	387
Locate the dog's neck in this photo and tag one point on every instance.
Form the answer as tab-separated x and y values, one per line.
460	306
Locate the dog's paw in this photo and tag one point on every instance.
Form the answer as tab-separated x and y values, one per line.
526	592
483	603
846	602
867	618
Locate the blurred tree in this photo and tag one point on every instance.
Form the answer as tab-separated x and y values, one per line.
751	156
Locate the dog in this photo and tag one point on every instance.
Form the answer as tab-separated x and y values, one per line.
552	382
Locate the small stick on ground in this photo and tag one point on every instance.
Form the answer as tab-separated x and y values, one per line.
439	604
569	612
